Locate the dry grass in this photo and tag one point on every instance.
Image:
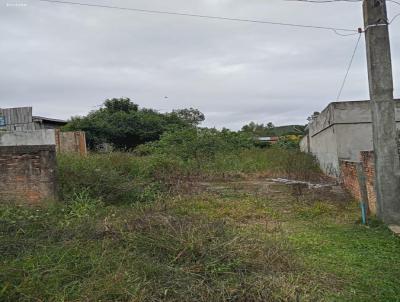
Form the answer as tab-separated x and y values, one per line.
247	239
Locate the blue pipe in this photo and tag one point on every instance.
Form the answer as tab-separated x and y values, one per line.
363	212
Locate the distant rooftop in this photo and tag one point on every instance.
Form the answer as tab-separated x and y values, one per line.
42	119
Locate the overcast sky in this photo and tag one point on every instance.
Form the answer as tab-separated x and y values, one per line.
64	60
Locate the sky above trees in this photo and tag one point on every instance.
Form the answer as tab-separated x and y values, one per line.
65	60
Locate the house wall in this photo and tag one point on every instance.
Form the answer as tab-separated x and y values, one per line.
28	138
341	132
304	143
353	138
27	174
65	142
18	119
324	147
21	119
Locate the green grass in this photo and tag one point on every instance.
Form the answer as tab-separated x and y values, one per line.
123	178
242	240
146	253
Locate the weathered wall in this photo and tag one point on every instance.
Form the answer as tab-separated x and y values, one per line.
28	138
66	142
304	143
368	161
324	147
27	173
350	178
71	142
18	119
352	139
341	132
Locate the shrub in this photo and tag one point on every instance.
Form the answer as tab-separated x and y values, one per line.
112	178
199	145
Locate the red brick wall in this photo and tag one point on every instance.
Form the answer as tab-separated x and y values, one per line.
27	174
350	178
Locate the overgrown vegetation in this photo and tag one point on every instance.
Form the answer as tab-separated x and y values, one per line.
230	242
123	125
191	215
173	163
271	130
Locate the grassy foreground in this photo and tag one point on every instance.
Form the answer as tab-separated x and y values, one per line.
231	241
207	227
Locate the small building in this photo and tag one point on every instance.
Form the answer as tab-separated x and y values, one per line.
340	132
268	139
48	123
21	119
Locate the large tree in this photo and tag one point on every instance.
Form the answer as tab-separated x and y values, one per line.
123	124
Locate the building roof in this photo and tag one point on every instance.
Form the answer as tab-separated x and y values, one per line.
42	119
268	138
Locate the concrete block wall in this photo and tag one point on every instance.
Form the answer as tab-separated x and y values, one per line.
65	142
350	178
17	119
27	138
27	173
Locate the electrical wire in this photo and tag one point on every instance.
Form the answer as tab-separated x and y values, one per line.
333	1
323	1
348	68
394	18
338	31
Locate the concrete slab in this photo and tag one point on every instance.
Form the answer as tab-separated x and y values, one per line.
395	229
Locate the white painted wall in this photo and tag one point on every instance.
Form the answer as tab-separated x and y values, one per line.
28	138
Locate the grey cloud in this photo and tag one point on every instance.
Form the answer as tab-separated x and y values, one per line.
65	60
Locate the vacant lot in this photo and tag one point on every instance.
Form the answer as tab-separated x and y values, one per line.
237	238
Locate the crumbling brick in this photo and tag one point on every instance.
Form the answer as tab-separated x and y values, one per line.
27	173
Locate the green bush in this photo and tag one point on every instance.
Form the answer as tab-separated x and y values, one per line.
199	145
115	177
178	157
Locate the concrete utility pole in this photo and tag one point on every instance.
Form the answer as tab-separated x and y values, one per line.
387	166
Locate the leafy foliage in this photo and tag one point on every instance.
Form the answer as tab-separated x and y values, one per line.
192	116
271	130
198	144
289	142
114	178
124	125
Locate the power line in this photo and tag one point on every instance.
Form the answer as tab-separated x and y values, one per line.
323	1
333	1
393	1
334	29
394	18
348	68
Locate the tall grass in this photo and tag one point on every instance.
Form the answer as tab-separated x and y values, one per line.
83	251
125	177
